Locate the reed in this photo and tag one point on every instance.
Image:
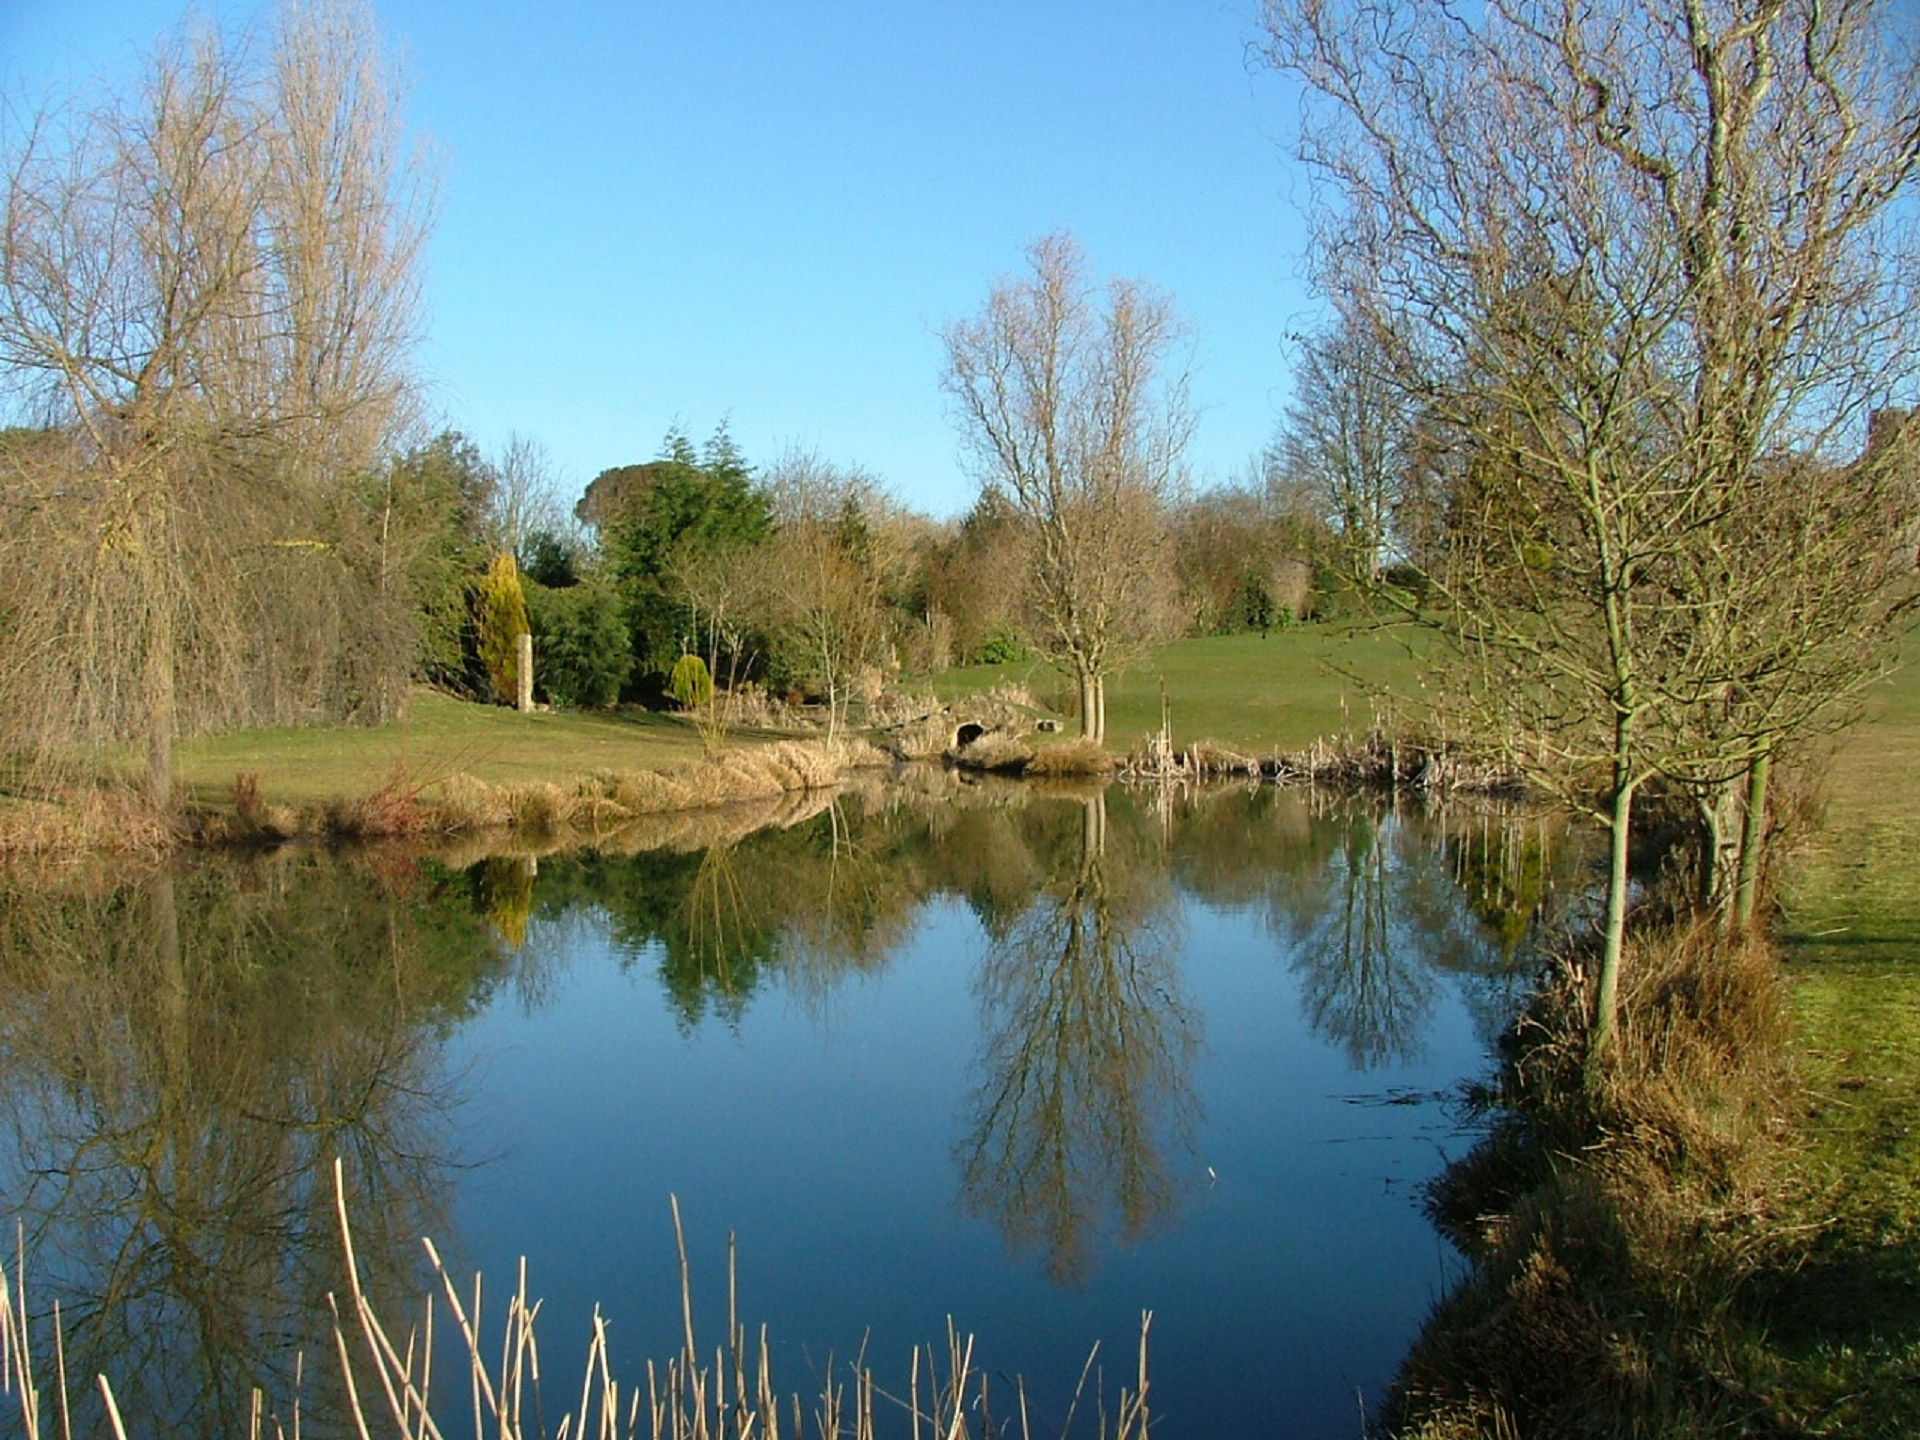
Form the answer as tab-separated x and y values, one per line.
727	1392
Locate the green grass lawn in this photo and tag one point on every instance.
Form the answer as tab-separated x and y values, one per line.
1254	693
1284	690
1847	1325
439	737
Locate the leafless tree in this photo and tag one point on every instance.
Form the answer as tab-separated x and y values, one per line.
1346	438
832	564
1243	559
724	586
1625	260
207	287
1086	1060
526	498
1070	406
977	574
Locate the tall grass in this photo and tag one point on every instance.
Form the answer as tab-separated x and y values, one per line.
1617	1231
726	1393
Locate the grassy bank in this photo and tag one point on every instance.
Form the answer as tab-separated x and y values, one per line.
455	758
450	769
440	737
1255	693
1289	689
1726	1241
1846	1326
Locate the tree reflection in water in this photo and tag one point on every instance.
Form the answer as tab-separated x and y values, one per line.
1086	1067
183	1057
182	1053
1379	918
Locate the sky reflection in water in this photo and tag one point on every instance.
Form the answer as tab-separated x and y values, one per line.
1099	1064
1036	1063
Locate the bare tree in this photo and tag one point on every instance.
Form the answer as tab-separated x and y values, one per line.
1346	438
976	576
832	565
208	288
1069	407
526	498
1085	1071
723	585
1242	557
1633	266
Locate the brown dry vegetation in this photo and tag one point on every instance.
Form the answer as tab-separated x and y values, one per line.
1614	1228
606	800
1078	757
700	1393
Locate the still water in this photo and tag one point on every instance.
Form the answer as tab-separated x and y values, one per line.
1038	1062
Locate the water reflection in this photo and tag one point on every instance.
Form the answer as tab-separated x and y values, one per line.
1086	1059
183	1055
182	1052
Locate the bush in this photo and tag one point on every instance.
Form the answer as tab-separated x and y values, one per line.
1005	646
582	649
1410	580
690	684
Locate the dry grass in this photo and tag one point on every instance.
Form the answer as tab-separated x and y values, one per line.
726	1393
82	820
1613	1226
1080	757
407	806
995	752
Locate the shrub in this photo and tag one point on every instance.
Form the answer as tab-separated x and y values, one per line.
502	620
1005	646
581	642
690	684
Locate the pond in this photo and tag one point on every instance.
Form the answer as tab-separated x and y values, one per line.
1034	1061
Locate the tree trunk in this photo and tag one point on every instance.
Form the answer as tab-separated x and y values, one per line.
1716	807
1089	707
1093	827
1607	1002
1753	832
158	681
170	1006
830	675
1100	708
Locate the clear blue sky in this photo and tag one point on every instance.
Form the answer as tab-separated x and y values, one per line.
765	211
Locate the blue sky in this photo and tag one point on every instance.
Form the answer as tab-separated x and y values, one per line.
765	211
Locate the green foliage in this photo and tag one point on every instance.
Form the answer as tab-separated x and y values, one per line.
654	515
1411	580
1255	607
1006	645
582	643
690	683
552	559
427	510
502	619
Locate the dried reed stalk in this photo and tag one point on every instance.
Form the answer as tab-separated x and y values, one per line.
388	1387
